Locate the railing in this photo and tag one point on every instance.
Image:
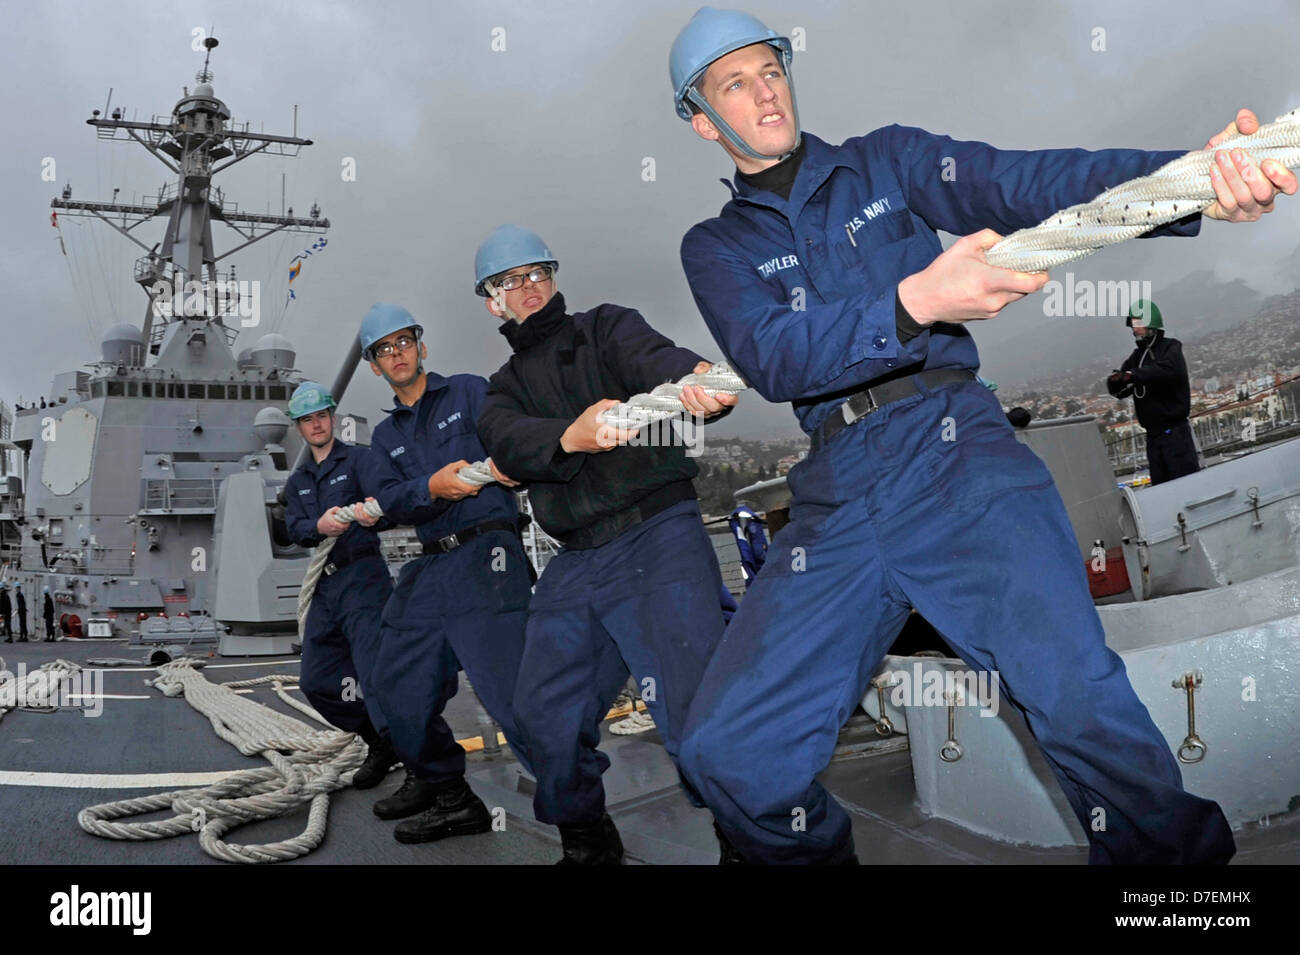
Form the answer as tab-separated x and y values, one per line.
180	495
82	559
1213	436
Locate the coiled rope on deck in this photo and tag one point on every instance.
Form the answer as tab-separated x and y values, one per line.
1177	189
635	413
36	690
306	766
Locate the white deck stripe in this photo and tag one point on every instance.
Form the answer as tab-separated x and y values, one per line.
111	780
211	666
128	696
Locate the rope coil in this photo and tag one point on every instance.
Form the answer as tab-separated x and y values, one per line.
1177	189
306	766
37	691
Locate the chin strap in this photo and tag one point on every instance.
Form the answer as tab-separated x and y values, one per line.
696	97
499	297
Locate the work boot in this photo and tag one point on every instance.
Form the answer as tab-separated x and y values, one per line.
414	795
596	843
379	761
727	853
456	812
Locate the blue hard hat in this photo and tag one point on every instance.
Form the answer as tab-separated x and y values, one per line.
383	320
712	34
308	398
509	247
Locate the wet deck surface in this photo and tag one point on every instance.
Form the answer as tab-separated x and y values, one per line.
658	825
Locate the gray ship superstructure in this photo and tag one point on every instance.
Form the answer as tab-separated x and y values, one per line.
145	488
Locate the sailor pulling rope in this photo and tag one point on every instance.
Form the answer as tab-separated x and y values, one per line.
638	411
1175	190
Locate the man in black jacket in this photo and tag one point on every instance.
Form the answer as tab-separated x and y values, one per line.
6	613
48	611
636	586
22	612
1156	376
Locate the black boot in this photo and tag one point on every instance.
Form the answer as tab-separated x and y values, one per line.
455	812
379	761
414	795
727	853
596	843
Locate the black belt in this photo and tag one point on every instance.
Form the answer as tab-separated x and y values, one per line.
444	545
334	566
864	402
607	528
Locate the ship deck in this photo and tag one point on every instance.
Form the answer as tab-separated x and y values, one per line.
52	765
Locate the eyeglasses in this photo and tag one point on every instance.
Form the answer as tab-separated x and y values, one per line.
402	343
508	283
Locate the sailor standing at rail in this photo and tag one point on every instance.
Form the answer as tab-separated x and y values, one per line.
21	601
341	634
463	604
636	585
48	610
823	280
6	613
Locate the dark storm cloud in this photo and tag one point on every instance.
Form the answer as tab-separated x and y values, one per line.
451	138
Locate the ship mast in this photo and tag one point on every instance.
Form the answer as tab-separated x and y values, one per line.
195	143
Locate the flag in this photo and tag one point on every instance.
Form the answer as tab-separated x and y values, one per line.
54	219
295	266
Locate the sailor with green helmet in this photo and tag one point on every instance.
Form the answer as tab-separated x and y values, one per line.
1155	375
341	633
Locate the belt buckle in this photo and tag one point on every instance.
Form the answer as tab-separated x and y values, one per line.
849	415
448	543
331	568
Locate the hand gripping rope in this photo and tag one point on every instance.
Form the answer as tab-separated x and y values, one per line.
477	473
665	401
1177	189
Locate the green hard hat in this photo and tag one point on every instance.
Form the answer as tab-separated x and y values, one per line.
1145	311
308	398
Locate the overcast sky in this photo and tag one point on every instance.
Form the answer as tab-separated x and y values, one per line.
451	138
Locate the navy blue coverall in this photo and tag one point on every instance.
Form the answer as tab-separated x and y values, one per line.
801	294
458	608
341	638
637	584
